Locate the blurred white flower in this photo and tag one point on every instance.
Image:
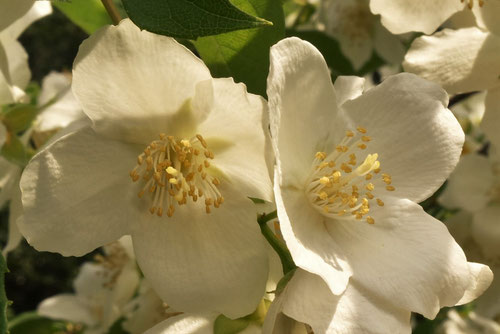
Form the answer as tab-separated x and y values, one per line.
102	289
468	324
351	166
15	17
198	146
465	60
426	16
358	31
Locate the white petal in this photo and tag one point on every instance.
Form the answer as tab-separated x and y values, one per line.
481	278
357	51
488	16
236	130
14	69
12	11
405	16
302	107
66	307
460	60
491	120
215	262
77	194
9	180
357	310
307	238
185	323
486	230
407	257
139	81
348	88
417	139
65	110
388	46
469	185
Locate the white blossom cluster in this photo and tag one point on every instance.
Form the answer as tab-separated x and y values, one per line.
221	211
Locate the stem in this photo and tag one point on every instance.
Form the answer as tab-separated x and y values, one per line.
278	245
112	11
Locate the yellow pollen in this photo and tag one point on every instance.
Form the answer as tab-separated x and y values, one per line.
346	193
390	188
320	155
173	171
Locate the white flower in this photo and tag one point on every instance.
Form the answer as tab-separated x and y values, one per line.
468	324
403	16
464	60
9	191
358	31
102	289
351	167
170	158
15	17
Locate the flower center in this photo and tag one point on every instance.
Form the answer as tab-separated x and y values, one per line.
470	3
173	170
339	187
354	21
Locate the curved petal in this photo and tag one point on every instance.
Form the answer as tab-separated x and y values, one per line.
199	262
417	139
77	194
15	71
405	16
487	305
481	278
9	179
491	119
66	307
307	238
302	107
486	230
469	184
488	16
185	323
147	80
357	310
388	46
407	258
461	60
348	88
12	11
236	130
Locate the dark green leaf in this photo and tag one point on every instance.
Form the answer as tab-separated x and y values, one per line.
117	328
244	55
89	15
14	151
224	325
19	117
189	18
3	296
330	49
33	323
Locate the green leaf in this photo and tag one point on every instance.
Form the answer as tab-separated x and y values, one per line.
224	325
32	323
19	117
189	18
244	55
89	15
14	151
330	49
117	328
3	296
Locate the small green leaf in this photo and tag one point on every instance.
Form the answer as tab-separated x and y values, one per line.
3	296
32	323
19	117
14	151
189	18
330	49
244	54
89	15
117	328
224	325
